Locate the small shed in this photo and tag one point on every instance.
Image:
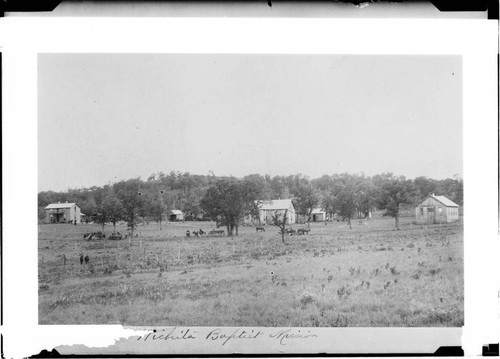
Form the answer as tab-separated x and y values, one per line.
175	215
436	209
63	213
318	215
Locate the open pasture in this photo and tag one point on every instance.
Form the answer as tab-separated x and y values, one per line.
370	276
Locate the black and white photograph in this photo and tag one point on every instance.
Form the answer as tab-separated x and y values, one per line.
178	188
250	190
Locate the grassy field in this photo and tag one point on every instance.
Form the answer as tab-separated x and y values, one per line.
369	276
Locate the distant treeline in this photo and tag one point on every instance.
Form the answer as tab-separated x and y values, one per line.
184	191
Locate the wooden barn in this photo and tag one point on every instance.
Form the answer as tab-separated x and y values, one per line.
267	209
63	213
436	209
175	215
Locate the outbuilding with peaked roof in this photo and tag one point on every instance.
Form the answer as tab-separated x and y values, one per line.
318	215
436	209
175	215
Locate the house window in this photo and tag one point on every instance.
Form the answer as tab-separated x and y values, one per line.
421	211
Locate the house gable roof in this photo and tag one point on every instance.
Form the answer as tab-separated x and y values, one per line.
447	202
61	205
317	211
175	211
442	199
275	204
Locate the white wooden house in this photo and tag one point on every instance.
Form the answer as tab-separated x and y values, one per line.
63	213
268	209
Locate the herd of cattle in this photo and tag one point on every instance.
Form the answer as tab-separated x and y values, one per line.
200	232
100	235
196	233
290	231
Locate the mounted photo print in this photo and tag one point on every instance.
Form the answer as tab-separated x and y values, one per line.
208	186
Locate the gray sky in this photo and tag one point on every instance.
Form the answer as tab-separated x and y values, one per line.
108	117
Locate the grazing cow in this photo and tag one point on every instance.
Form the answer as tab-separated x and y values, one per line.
260	229
87	259
188	233
115	236
303	230
97	235
196	233
201	232
290	231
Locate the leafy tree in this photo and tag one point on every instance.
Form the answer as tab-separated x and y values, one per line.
366	196
89	207
425	186
306	197
132	205
101	216
328	203
280	221
451	188
324	183
113	209
459	190
228	201
344	200
158	209
278	187
395	192
260	186
191	205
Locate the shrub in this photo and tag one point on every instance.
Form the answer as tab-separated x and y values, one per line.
344	292
306	298
434	271
416	276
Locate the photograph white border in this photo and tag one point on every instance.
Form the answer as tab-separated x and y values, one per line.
22	39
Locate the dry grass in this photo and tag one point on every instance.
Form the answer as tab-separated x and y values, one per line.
370	276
